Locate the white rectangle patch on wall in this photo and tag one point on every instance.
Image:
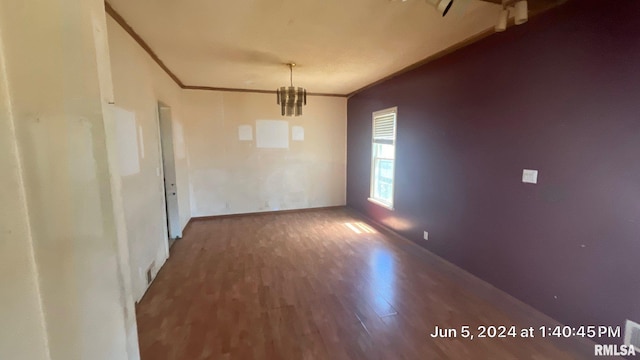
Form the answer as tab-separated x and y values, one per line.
245	133
530	176
272	134
297	133
127	141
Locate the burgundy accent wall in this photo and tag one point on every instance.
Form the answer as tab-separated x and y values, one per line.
560	94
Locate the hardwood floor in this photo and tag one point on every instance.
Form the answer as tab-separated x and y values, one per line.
321	285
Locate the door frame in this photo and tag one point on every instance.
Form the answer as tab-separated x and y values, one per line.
167	168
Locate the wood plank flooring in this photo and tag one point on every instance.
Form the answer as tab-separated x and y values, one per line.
318	285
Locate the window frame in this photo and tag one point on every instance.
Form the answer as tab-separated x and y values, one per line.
372	158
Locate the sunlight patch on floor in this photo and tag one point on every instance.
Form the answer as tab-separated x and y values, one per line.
360	228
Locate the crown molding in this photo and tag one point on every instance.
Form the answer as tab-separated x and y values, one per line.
468	41
212	88
143	44
549	4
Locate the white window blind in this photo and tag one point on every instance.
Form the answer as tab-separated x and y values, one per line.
383	154
384	128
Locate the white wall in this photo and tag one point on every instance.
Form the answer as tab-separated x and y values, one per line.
71	267
22	330
139	84
57	78
216	173
230	176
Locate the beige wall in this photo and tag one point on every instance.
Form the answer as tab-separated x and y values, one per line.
138	86
75	235
217	173
22	329
57	77
229	176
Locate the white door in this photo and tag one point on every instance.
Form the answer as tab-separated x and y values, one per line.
169	171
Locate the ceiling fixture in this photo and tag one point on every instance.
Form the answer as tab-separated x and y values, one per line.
442	6
291	98
520	10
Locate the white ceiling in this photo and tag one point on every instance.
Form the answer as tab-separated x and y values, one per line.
339	45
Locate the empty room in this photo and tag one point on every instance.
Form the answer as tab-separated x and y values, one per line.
304	179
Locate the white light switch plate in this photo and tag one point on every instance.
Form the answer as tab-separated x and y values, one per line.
530	176
426	235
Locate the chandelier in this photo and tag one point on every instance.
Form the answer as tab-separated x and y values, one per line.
291	98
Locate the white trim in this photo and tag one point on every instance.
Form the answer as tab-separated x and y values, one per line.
375	114
380	203
160	178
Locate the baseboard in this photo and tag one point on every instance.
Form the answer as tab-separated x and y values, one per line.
288	211
186	227
513	307
226	216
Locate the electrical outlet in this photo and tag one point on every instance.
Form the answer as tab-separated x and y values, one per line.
426	235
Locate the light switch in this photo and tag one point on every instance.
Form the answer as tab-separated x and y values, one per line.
530	176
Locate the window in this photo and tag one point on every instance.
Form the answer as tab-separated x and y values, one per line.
383	157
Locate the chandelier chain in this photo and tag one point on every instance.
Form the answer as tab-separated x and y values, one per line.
291	74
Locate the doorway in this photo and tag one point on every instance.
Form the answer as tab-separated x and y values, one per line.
169	173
